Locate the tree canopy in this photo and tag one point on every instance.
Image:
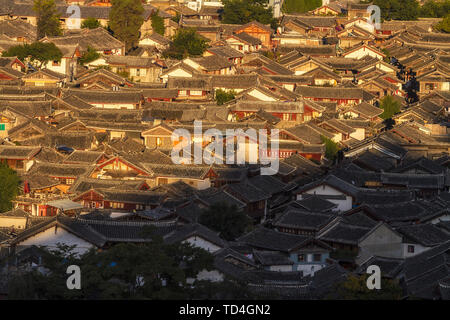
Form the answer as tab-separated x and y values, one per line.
157	23
398	9
355	288
47	18
186	43
223	96
245	11
90	23
444	25
227	220
331	148
38	52
390	107
435	9
89	55
300	6
151	270
9	186
125	21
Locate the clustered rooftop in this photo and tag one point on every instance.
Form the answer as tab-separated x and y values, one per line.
92	143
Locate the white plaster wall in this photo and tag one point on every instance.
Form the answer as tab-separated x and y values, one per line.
281	268
359	134
343	205
52	236
199	242
417	249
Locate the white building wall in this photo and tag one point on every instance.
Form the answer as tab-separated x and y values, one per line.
281	268
417	249
359	134
114	105
199	242
309	269
52	236
342	205
60	69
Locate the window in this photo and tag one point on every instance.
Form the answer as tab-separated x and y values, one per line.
429	86
138	72
182	93
2	126
301	257
196	92
317	257
410	249
70	181
19	164
56	63
158	142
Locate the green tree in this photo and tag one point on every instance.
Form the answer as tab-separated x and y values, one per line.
355	288
39	53
227	220
152	270
331	148
245	11
390	107
300	6
176	18
91	23
157	23
89	56
9	186
444	25
223	96
398	9
47	18
125	20
435	9
186	43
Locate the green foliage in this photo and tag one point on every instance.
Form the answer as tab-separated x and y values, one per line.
157	23
176	18
331	148
245	11
41	52
186	43
226	220
272	55
444	25
223	96
125	20
124	74
386	59
152	270
91	23
355	288
398	9
300	6
89	56
390	107
47	18
9	186
435	9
